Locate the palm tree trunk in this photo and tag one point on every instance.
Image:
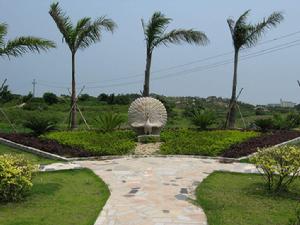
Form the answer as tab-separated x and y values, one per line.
146	91
232	104
73	96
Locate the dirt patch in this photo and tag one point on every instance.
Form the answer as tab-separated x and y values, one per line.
266	140
50	146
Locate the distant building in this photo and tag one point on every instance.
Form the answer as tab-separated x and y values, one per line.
283	104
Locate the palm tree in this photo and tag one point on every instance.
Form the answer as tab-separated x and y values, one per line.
21	45
156	35
85	33
245	35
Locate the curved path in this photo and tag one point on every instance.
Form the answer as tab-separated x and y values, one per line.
155	191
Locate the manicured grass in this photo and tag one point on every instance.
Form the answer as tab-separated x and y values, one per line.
208	143
98	143
31	157
241	199
63	197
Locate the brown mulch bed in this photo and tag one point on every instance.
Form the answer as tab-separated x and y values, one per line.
266	140
50	146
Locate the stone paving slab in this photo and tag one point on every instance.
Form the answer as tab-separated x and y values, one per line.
155	191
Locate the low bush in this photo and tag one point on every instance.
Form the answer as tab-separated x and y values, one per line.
50	98
98	143
15	177
39	125
264	124
109	121
203	118
209	143
279	166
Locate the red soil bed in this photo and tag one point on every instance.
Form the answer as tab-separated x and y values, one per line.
50	146
266	140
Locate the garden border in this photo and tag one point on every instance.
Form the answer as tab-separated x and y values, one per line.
110	157
32	150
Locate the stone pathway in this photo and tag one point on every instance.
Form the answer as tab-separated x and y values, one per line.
155	191
147	149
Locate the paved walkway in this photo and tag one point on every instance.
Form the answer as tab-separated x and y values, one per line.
155	191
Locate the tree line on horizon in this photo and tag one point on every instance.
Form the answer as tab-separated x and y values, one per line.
87	32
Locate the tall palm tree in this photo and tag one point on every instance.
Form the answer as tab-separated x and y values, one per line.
85	33
156	35
21	45
246	35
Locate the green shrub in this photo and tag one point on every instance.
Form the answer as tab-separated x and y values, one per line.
264	124
27	98
35	106
208	143
15	177
39	125
110	143
203	118
50	98
109	121
279	166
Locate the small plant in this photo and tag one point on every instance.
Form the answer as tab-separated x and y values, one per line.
39	125
264	124
15	178
279	166
203	118
50	98
109	121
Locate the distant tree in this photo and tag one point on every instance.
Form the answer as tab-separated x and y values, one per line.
156	35
84	97
50	98
111	99
21	45
5	94
27	98
84	34
246	35
102	97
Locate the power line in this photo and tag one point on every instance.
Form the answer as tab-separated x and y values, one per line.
188	63
212	66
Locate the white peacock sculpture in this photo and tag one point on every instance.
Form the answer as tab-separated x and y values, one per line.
147	116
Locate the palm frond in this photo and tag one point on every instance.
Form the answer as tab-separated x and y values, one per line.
178	36
21	45
231	24
63	23
155	28
88	33
256	31
3	33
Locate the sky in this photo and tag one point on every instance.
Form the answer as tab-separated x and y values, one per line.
117	63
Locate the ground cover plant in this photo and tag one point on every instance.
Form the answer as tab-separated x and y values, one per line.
62	197
34	159
242	199
209	143
97	143
265	140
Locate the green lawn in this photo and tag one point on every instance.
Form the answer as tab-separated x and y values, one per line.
31	157
98	143
208	143
241	199
59	198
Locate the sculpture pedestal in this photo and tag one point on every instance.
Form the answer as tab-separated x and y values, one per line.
148	138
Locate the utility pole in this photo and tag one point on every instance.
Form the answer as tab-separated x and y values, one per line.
33	87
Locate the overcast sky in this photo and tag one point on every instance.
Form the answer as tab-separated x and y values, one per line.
117	63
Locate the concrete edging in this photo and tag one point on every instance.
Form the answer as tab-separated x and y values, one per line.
32	150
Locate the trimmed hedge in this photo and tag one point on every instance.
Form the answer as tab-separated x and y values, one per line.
98	143
207	143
